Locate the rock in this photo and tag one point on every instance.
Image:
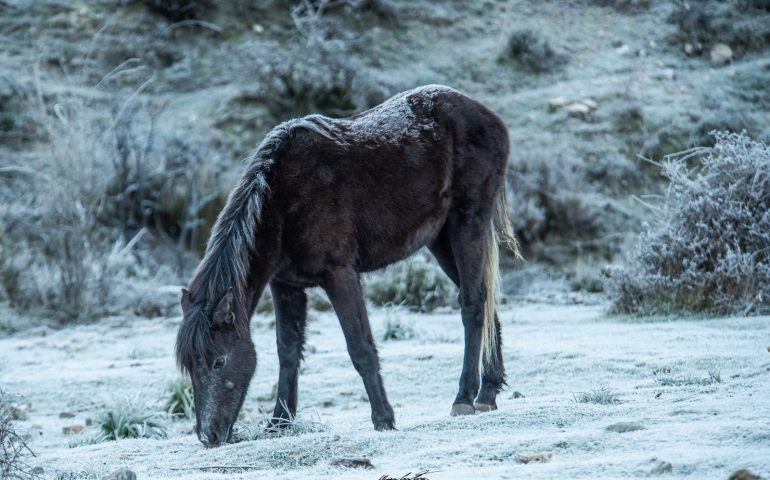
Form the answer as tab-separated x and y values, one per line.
19	411
557	103
353	463
744	474
517	394
721	54
590	103
623	50
665	74
72	429
623	427
121	474
577	109
534	457
66	415
661	468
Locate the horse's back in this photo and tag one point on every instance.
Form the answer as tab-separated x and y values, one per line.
380	184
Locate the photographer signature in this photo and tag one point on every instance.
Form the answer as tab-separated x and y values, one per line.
416	476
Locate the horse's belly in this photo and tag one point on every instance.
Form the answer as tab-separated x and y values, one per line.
388	243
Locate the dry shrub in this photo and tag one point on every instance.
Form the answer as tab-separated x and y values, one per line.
744	26
178	10
709	248
552	202
415	283
626	6
317	77
530	52
73	218
14	452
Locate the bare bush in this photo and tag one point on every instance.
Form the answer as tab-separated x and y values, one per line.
177	10
318	77
530	52
626	6
71	222
14	452
709	248
554	201
700	25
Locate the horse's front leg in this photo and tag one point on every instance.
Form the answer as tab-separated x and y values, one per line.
344	289
290	304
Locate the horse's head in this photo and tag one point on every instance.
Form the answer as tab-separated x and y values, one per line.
215	348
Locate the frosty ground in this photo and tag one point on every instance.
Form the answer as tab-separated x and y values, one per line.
699	387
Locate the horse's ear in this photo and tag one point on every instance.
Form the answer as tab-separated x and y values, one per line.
186	300
223	314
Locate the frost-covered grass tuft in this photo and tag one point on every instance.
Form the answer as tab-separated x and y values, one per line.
415	283
129	418
709	249
600	396
301	423
180	402
397	327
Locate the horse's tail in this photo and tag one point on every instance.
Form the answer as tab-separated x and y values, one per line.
500	231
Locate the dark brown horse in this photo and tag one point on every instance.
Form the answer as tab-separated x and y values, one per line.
323	200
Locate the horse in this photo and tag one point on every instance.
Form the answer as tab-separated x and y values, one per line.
322	201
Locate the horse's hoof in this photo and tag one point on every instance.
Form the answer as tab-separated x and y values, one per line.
462	409
384	425
485	407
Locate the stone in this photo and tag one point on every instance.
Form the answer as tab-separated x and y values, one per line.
557	103
744	474
66	415
721	54
517	394
590	103
623	427
661	468
353	463
577	109
72	429
121	474
534	457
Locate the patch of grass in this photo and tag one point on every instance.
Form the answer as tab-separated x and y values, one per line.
666	377
397	327
599	396
416	283
180	401
528	51
130	419
305	421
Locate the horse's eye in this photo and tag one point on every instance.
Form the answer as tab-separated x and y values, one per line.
218	363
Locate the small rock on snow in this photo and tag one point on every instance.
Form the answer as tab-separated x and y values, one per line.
744	474
534	457
121	474
661	468
721	54
353	463
623	427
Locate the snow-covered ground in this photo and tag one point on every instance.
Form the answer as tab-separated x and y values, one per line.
699	387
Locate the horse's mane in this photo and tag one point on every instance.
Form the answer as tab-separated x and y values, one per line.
233	239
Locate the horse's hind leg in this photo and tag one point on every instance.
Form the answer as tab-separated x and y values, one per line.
343	287
290	317
492	373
